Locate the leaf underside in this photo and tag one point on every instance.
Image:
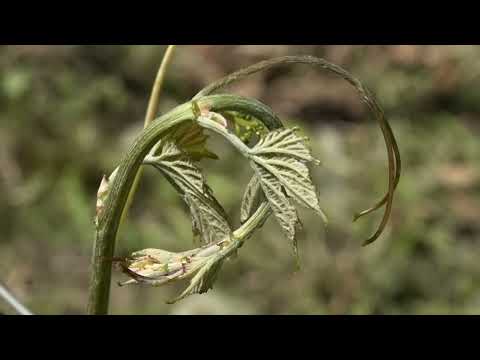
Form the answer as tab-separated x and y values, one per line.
191	139
280	162
209	222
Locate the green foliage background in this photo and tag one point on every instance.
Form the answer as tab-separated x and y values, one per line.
68	114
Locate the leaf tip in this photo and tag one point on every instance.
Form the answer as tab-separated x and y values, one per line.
324	217
369	241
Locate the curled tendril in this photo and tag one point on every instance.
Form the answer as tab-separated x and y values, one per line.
394	161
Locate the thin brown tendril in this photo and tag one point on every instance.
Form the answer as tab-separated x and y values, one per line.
394	162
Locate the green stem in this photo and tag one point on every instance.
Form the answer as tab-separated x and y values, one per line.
254	222
152	111
109	220
154	101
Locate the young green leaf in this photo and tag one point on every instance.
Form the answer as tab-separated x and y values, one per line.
190	138
208	217
283	154
246	127
284	211
208	224
279	161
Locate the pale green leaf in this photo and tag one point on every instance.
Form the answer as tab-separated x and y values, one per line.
207	223
284	211
190	138
285	155
208	217
280	162
284	142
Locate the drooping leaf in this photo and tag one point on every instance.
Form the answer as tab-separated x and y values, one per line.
209	222
284	141
284	211
246	127
279	160
284	154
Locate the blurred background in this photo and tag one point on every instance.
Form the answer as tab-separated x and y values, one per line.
68	114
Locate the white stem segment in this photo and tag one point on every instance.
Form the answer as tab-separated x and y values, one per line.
13	302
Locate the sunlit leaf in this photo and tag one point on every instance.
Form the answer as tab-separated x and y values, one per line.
208	217
284	211
190	138
279	160
283	154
